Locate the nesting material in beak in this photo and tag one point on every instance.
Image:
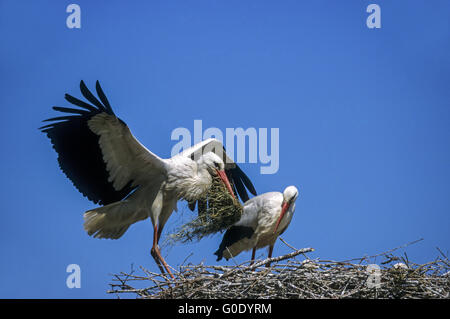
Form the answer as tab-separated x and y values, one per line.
222	211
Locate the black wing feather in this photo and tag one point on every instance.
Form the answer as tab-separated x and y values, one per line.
237	177
90	97
241	182
103	98
60	118
70	110
80	103
79	154
247	182
233	235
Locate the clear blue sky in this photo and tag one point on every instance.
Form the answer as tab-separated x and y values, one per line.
363	117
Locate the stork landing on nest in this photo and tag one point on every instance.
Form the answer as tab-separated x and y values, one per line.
109	166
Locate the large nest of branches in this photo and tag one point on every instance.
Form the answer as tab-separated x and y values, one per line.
217	211
287	277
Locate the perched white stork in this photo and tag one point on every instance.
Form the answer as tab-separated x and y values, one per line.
264	218
109	166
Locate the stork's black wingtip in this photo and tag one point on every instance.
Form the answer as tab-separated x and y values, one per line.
83	86
219	255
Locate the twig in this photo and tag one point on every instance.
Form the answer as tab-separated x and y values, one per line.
293	279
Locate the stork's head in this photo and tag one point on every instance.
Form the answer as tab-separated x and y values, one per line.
215	166
212	162
290	195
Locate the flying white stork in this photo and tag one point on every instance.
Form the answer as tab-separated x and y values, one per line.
109	166
264	218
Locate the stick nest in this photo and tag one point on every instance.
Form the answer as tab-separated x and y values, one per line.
217	211
398	278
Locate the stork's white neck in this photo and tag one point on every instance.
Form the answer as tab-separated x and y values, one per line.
188	179
286	218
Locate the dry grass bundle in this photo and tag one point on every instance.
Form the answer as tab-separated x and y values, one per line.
295	279
218	210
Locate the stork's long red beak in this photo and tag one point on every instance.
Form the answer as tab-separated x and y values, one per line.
284	209
224	178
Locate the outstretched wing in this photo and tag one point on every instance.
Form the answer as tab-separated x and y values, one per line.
238	179
97	151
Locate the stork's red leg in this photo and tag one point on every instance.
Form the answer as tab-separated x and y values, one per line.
270	255
159	235
153	251
253	255
156	254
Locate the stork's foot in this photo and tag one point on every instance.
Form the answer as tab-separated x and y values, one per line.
156	254
158	262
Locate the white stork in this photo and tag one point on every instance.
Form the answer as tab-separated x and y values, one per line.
109	166
264	218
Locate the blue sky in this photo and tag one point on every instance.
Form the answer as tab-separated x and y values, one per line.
363	117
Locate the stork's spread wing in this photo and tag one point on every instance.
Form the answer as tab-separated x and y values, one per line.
239	181
97	151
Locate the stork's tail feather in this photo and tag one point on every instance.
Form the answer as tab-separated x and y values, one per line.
111	221
96	225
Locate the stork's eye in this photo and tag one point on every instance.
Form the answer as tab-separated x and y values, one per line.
292	198
217	165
